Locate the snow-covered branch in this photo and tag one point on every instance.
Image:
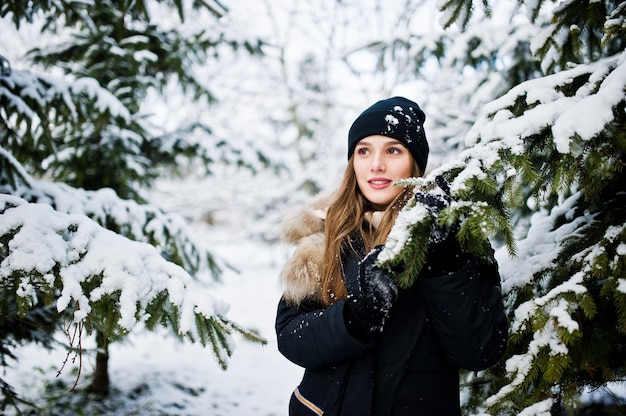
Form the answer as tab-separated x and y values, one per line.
102	278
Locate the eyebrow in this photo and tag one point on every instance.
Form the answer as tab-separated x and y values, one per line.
390	142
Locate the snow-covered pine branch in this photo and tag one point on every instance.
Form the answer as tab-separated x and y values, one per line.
34	101
52	123
487	178
570	264
481	185
55	248
103	279
168	232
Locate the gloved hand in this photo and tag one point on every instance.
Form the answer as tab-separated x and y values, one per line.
445	254
370	297
435	203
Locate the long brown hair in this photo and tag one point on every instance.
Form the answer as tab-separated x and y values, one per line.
346	216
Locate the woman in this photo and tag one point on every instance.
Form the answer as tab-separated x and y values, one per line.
368	347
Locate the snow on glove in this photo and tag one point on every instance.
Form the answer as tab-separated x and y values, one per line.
435	203
368	304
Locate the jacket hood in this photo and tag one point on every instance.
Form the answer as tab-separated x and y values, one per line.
304	228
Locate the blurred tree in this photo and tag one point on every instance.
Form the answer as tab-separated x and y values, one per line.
87	123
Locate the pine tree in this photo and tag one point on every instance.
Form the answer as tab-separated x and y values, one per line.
86	129
551	146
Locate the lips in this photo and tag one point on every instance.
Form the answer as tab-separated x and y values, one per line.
379	183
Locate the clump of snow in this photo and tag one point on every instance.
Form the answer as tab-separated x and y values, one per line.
542	408
524	312
400	234
540	247
584	114
520	365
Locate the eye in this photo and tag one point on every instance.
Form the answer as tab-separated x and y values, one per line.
362	150
394	150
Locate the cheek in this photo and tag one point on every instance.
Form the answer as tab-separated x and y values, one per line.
359	171
404	170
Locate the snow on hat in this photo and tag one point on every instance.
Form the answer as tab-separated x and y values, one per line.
395	117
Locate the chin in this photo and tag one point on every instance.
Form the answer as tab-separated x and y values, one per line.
380	203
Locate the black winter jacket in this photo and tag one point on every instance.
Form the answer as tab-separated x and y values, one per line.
439	325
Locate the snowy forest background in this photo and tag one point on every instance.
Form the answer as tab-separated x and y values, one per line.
148	150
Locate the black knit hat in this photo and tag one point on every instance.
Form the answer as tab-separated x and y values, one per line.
395	117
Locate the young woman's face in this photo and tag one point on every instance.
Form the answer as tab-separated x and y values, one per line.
378	161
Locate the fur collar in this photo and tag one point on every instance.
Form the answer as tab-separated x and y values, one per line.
304	228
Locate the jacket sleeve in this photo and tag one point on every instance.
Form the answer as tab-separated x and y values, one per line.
468	314
315	338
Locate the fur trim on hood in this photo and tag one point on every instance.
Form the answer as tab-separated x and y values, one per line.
304	227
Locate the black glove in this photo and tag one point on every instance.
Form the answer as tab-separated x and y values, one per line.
435	203
370	297
445	254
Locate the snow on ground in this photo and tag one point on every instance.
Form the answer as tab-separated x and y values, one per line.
154	373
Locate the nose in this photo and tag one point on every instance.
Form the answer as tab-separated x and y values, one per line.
378	163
